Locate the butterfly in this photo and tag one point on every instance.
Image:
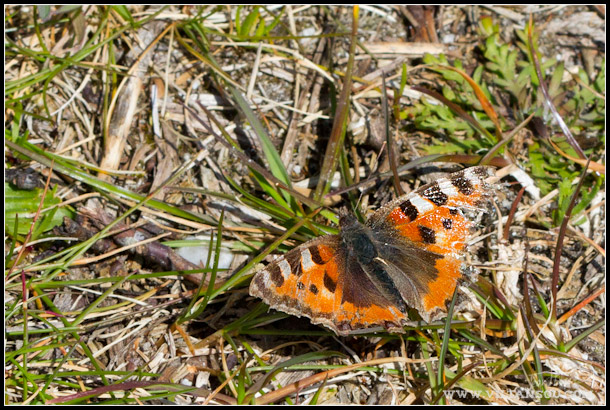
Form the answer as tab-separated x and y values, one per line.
406	255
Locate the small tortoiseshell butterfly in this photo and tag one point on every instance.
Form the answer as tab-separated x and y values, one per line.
406	255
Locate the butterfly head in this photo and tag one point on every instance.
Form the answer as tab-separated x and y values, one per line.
346	219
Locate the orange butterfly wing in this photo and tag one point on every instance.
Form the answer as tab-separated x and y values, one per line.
312	280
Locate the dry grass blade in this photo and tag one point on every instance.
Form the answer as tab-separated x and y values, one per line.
340	122
560	238
125	102
276	395
390	147
547	98
581	305
511	214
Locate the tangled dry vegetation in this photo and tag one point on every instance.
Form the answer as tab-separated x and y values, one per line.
156	155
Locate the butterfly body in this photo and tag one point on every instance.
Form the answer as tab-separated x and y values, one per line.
407	255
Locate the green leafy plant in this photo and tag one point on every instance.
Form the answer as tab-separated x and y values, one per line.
21	205
507	77
253	24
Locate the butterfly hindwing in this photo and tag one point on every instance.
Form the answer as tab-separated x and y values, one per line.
319	280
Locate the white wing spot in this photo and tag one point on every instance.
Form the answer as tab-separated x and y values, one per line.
447	187
284	268
421	204
306	261
472	176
